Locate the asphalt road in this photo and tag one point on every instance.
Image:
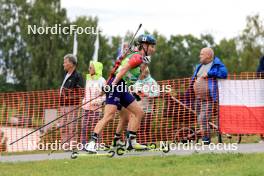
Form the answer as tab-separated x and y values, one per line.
176	150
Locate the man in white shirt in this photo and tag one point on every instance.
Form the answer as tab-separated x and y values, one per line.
70	97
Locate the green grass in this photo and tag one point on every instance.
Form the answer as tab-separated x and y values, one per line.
193	165
250	139
246	139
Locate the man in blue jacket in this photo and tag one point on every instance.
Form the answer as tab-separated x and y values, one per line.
204	84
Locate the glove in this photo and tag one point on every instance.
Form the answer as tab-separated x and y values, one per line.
137	97
146	59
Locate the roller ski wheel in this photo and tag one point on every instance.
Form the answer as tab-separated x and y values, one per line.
152	146
120	151
112	153
74	155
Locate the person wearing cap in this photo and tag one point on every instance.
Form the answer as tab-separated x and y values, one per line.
92	105
70	97
126	75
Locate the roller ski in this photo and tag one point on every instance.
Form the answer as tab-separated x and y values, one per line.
91	150
133	147
77	154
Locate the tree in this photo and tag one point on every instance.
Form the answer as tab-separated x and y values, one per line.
46	51
13	54
85	43
177	57
226	50
34	61
250	44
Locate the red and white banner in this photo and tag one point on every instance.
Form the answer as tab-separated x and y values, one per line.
241	104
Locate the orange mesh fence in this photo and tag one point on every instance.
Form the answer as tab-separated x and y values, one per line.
181	107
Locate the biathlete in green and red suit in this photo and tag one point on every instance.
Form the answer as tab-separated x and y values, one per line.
119	96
